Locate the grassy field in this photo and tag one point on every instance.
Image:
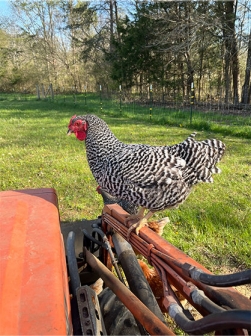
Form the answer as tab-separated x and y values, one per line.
213	225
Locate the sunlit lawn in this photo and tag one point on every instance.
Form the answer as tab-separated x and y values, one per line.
213	225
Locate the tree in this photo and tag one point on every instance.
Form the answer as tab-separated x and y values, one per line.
227	13
134	61
137	43
246	89
4	55
48	46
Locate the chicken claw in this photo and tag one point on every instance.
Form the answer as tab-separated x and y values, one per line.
137	227
132	217
142	221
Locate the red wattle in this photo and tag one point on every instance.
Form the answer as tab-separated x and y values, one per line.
81	135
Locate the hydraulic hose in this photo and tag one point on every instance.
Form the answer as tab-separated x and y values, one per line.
149	320
135	276
72	262
228	280
231	319
202	300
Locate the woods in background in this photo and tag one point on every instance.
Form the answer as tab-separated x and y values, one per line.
135	44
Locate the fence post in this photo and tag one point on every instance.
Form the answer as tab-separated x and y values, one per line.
151	101
43	91
85	92
38	92
120	99
52	92
24	93
133	104
100	90
74	94
191	102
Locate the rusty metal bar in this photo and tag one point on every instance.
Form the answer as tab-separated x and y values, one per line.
223	296
169	296
180	284
89	312
149	321
148	242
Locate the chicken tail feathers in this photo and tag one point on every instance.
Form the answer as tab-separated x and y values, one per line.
201	158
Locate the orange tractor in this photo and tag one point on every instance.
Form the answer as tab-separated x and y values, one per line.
48	268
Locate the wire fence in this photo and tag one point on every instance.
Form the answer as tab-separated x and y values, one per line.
210	113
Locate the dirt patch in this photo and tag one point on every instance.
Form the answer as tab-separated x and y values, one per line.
244	290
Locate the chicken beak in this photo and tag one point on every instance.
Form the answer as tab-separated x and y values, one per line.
69	132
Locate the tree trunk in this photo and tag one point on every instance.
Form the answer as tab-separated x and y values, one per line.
234	55
187	54
246	89
201	59
111	25
231	57
227	74
117	20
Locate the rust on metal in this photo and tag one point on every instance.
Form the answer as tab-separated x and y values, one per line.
148	320
91	319
164	253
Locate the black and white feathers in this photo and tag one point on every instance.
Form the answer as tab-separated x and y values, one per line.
109	199
153	177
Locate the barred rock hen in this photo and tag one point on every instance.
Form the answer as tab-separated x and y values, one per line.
152	177
129	207
157	226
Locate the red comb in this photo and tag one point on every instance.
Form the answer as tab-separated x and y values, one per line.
71	120
73	117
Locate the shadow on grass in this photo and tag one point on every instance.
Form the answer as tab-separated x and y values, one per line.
53	115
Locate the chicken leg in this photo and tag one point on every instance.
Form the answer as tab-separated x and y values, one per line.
140	223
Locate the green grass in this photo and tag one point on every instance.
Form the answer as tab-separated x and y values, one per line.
225	122
228	122
213	225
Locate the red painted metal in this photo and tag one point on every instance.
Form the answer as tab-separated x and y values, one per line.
170	258
34	296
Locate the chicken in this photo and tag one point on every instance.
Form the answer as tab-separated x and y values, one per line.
109	199
153	178
156	284
156	226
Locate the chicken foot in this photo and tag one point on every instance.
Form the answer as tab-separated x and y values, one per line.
140	223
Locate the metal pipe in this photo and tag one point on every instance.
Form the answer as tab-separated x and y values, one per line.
72	262
135	276
149	321
114	216
107	246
